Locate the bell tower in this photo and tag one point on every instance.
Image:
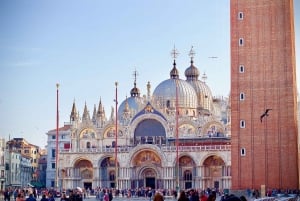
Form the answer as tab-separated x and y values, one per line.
263	76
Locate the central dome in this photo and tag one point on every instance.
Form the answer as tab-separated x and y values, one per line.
165	94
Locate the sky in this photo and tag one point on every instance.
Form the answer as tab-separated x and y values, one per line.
88	45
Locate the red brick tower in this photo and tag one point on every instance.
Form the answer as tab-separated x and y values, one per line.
263	76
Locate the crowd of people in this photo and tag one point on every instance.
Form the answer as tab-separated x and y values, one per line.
107	194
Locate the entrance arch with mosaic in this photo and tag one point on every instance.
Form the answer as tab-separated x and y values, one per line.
83	171
146	164
213	171
108	172
187	171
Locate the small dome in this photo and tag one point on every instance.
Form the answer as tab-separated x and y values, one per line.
174	73
134	104
192	72
135	92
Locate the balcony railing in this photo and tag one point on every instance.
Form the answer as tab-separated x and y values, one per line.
126	149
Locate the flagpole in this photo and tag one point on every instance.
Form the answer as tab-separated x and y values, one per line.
177	157
116	138
57	127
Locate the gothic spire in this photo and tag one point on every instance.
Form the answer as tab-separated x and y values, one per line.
73	115
85	115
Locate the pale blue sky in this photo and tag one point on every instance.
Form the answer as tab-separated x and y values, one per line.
87	45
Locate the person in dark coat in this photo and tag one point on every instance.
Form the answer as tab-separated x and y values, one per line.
182	196
30	198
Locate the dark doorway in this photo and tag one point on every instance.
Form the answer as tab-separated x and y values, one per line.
150	182
87	185
112	185
188	185
216	184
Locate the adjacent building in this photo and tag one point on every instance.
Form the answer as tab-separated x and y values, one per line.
21	162
2	164
64	142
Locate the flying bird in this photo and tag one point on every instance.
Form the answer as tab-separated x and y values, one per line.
264	114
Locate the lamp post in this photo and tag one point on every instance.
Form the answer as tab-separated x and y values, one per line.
116	138
56	138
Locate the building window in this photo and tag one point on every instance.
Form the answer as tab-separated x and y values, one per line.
53	165
52	183
242	96
242	124
241	42
53	153
53	137
243	152
242	68
240	15
63	137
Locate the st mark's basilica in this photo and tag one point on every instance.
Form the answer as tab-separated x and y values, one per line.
156	146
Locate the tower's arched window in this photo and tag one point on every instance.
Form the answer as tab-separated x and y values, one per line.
242	68
241	41
242	124
240	15
242	96
243	152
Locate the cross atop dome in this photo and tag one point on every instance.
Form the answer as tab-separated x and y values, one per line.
174	53
192	54
135	74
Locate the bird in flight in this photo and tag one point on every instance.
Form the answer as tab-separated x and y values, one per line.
264	114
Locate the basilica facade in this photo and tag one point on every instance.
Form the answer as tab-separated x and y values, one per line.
176	137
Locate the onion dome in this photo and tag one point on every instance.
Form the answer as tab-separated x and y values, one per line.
174	73
192	72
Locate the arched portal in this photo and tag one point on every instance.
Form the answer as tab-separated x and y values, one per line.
84	172
147	164
108	172
149	178
187	171
213	166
